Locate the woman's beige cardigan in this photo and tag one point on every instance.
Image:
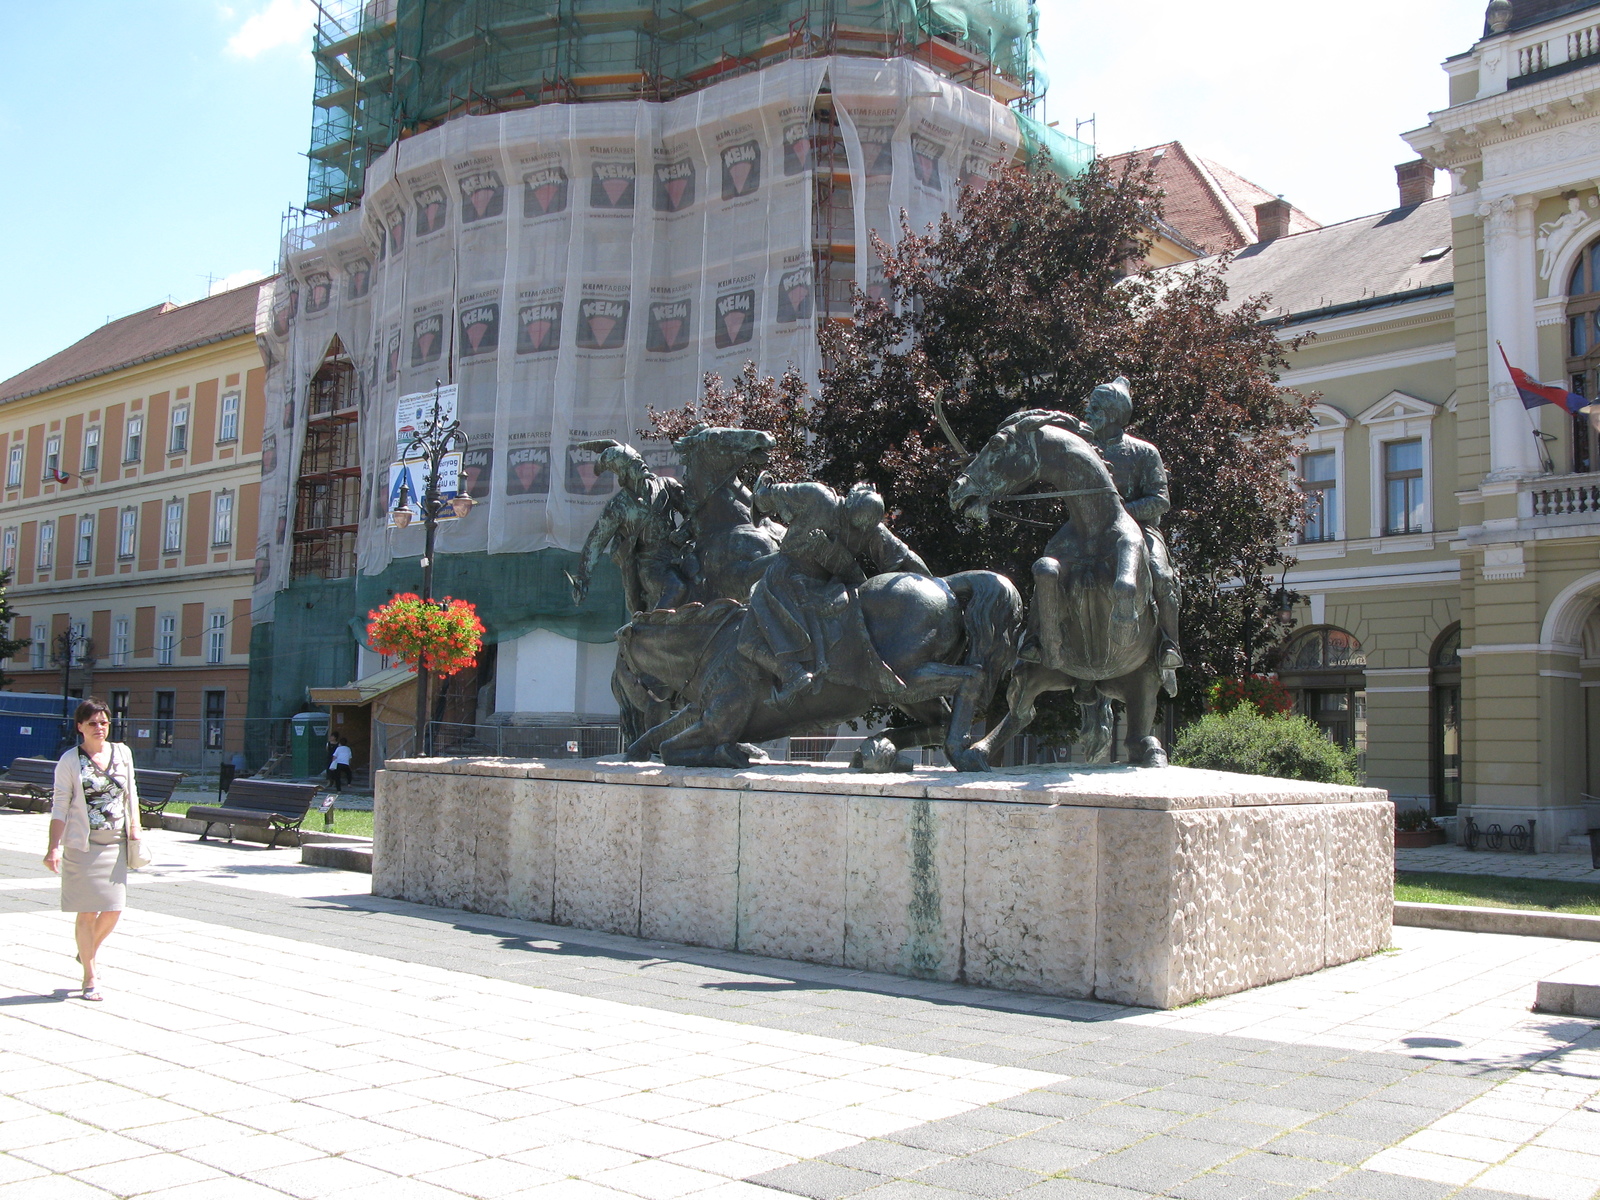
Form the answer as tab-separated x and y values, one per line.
71	809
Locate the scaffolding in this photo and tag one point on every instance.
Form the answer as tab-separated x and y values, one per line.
388	68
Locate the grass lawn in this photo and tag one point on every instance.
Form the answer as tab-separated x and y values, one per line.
357	824
1493	891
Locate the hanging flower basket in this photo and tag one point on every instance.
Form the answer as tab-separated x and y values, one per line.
444	635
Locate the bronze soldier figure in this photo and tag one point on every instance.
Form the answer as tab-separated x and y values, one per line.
803	606
639	527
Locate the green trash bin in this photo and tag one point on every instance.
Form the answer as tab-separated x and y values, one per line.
308	744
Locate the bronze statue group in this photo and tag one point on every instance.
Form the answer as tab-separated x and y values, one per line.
764	610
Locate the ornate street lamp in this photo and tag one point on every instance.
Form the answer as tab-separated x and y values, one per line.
433	443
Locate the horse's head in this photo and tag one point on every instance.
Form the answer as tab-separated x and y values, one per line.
1008	462
711	453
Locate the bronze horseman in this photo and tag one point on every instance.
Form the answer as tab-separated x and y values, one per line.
639	527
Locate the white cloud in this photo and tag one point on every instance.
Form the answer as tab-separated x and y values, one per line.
281	23
238	279
1303	98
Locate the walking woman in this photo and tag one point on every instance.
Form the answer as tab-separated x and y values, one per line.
93	823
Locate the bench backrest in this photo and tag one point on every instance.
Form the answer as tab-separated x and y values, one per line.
156	785
270	796
41	771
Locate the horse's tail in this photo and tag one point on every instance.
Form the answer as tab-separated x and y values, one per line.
991	615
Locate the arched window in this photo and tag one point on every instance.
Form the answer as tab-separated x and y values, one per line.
1445	679
1325	669
1583	353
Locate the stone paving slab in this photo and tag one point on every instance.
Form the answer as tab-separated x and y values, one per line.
271	1031
1458	860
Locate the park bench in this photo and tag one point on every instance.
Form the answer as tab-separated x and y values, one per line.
279	806
155	789
29	783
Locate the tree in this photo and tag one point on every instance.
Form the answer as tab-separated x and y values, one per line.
751	401
1025	298
8	616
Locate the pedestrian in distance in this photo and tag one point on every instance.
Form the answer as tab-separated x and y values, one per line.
339	773
94	834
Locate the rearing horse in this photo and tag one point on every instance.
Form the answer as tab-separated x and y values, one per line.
1093	620
728	542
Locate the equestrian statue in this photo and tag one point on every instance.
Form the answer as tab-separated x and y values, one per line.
1104	618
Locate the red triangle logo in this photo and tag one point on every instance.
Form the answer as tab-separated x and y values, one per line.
733	322
675	188
740	173
475	334
545	195
538	331
480	200
615	189
601	327
670	331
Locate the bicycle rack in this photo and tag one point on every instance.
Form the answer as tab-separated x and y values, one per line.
1517	839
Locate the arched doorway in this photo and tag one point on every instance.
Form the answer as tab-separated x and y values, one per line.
1583	355
1325	669
1445	682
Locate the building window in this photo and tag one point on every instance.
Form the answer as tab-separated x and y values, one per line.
8	550
216	703
1318	480
47	545
81	646
1402	486
133	440
1325	669
166	704
222	520
216	636
52	459
172	528
127	530
85	540
40	646
166	640
119	643
178	440
1583	355
14	468
119	716
1446	681
228	418
91	449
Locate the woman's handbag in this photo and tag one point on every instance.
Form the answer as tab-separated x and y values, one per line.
137	857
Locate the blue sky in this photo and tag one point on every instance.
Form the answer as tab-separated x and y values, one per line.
150	145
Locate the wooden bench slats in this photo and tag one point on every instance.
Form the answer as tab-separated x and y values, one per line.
281	806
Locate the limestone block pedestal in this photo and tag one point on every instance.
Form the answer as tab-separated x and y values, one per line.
1147	886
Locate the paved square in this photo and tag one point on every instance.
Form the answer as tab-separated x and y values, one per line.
270	1030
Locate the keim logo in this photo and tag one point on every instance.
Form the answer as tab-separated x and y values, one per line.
391	359
528	471
612	185
480	328
284	308
544	192
736	318
483	195
877	283
432	209
975	171
427	339
796	148
582	477
477	470
877	149
925	155
319	291
741	169
669	326
396	225
359	273
602	324
539	328
794	295
674	185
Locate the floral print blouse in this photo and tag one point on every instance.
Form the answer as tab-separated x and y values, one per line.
102	794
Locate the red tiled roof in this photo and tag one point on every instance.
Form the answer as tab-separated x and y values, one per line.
1210	205
138	338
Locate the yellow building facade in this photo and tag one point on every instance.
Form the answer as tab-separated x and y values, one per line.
131	469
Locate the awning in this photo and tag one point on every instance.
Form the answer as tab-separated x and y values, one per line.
362	691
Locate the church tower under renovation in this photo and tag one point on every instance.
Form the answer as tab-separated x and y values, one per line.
567	211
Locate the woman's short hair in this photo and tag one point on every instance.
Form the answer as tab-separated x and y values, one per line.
89	709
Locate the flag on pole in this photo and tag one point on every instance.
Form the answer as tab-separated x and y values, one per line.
1534	393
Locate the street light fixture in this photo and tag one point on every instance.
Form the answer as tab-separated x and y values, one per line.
432	444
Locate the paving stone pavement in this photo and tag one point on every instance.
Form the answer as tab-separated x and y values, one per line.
1458	860
270	1030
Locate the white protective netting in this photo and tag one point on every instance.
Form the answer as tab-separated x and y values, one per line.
568	266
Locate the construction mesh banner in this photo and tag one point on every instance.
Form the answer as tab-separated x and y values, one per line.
566	267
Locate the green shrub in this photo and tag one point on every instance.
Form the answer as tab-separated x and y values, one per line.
1243	740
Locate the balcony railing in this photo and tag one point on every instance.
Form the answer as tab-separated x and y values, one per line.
1572	496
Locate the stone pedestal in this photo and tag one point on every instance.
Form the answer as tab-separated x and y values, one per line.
1138	886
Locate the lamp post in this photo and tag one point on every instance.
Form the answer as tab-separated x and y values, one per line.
432	444
71	647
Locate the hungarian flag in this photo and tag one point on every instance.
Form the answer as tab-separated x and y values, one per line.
1534	393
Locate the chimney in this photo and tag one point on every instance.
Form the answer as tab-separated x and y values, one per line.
1272	219
1416	182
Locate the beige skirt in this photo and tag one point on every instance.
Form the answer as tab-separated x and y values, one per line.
96	879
